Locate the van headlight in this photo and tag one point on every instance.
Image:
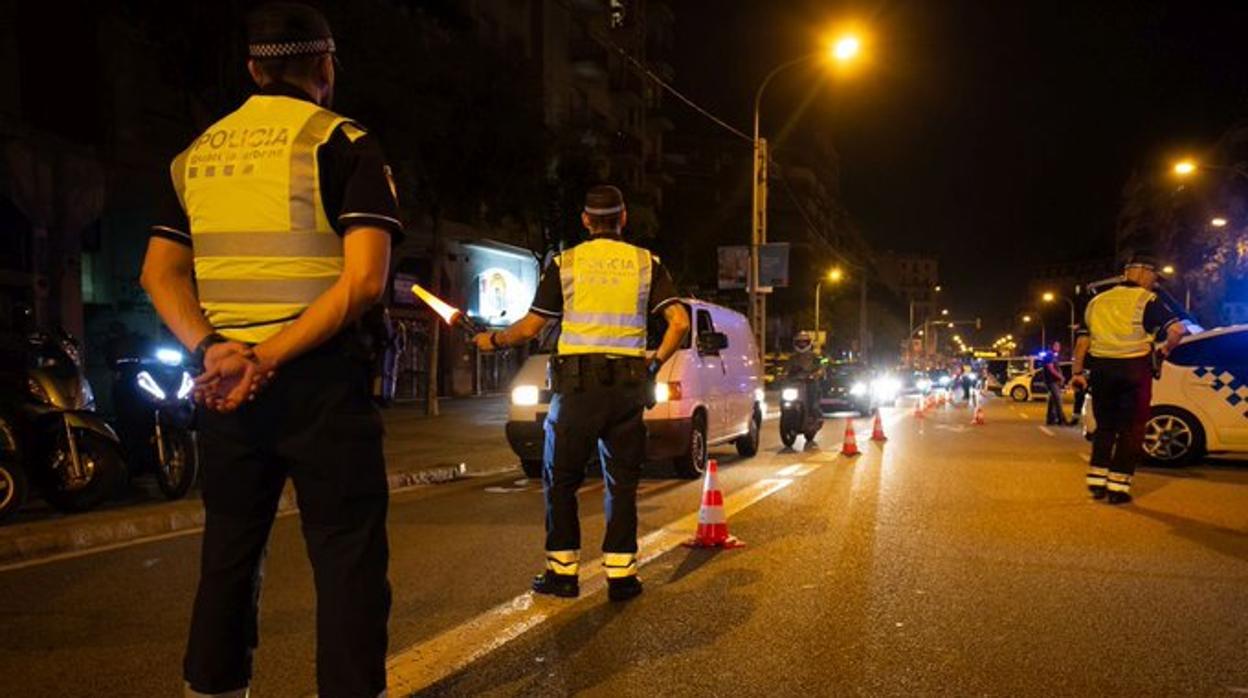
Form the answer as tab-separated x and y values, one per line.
789	394
666	392
858	389
525	395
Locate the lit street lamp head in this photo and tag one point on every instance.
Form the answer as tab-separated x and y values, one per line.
1183	168
845	48
1048	297
1026	318
836	274
1218	222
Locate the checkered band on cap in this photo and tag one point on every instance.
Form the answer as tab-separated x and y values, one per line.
282	49
610	210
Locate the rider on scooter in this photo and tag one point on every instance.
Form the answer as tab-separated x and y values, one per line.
806	366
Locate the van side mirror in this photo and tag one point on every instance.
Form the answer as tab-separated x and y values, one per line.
712	342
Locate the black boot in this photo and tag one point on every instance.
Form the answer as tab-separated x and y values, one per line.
1119	498
623	588
1098	491
562	585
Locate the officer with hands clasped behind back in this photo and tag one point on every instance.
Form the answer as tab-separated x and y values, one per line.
1116	344
276	244
601	292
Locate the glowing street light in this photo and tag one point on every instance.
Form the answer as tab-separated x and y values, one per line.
1168	269
836	274
1185	167
1026	318
1048	297
944	311
845	48
1218	222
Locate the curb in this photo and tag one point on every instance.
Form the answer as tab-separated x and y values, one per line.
161	521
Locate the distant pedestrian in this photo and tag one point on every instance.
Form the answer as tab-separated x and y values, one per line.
601	292
1116	342
1055	383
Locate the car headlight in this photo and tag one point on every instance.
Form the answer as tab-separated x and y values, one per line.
525	395
858	389
149	385
923	384
885	388
188	384
789	394
169	357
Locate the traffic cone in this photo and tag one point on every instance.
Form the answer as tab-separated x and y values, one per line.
877	429
850	446
918	407
712	521
978	419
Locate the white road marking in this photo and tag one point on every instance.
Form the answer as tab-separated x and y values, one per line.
1047	431
422	665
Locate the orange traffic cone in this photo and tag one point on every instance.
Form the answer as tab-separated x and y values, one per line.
712	521
918	407
877	429
850	446
978	419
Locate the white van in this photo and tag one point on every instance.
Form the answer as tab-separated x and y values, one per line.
709	393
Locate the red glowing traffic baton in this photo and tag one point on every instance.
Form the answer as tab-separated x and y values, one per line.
450	314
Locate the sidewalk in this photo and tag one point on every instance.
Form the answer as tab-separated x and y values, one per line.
465	440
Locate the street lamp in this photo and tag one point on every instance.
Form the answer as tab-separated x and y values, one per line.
834	275
1218	222
1185	167
1188	167
1043	338
944	312
1049	297
842	50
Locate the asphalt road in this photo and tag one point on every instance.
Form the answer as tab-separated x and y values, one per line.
951	560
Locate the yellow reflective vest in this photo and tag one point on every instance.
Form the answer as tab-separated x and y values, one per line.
1115	322
606	296
264	248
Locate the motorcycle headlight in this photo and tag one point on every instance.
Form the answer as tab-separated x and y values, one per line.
789	394
188	384
525	395
169	357
923	384
858	389
149	385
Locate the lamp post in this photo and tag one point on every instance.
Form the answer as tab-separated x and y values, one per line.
1043	339
843	50
1188	167
1049	297
835	275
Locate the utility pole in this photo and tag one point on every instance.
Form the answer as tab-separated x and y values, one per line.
758	238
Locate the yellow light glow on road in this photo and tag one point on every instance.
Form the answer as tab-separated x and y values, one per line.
1218	222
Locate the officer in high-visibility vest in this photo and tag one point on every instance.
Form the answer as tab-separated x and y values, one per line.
276	244
602	293
1116	344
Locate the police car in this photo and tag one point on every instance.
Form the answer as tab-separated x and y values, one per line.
1200	402
1030	385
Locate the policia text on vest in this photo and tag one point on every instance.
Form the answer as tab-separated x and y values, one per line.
1116	344
274	240
601	293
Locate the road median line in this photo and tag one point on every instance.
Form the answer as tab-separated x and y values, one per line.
424	664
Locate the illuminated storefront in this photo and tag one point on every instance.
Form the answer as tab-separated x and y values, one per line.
499	282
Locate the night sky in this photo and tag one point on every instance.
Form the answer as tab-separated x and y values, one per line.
997	134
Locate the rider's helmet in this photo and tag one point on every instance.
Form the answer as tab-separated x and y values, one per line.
803	342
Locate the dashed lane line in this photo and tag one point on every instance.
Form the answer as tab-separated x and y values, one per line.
425	664
1047	431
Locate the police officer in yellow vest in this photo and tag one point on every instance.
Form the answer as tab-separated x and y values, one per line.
276	244
1116	345
601	292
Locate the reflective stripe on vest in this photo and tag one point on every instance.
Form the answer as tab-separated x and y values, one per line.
606	295
1115	321
250	185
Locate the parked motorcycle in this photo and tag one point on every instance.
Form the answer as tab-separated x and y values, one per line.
795	415
68	451
155	418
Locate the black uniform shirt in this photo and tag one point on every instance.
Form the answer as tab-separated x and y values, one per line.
355	181
548	302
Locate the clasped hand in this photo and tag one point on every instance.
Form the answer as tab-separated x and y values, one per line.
233	374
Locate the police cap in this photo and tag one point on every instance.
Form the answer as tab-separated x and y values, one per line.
604	200
283	29
1143	259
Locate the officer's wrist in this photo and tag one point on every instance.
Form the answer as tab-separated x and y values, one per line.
494	342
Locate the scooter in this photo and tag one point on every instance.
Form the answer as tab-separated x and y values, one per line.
69	452
155	417
795	417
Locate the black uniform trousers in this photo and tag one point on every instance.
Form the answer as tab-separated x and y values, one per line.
317	425
607	418
1054	413
1122	390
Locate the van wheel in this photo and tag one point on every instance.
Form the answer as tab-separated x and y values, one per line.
532	469
1019	394
1173	437
747	445
692	463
